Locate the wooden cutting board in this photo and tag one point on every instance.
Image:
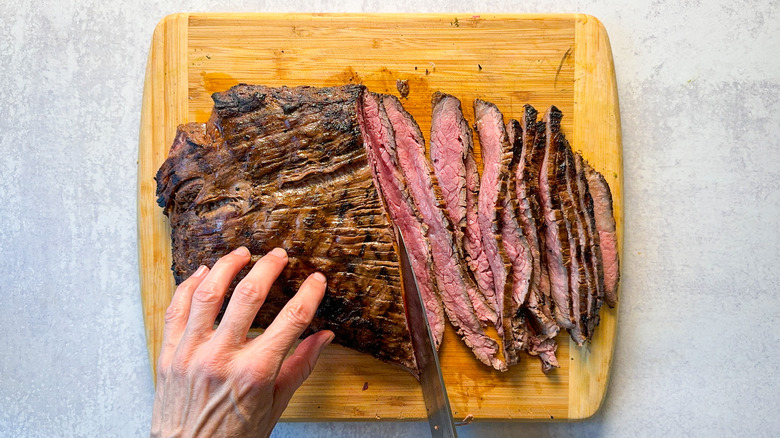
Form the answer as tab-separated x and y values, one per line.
510	60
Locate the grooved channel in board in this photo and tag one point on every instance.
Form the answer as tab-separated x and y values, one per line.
509	60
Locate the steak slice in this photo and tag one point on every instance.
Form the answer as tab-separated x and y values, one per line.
380	146
452	154
605	224
451	267
556	237
513	235
594	244
388	160
546	351
532	177
579	281
457	288
541	326
539	303
496	158
287	167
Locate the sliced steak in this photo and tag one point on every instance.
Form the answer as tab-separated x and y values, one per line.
545	349
539	304
514	213
580	284
287	167
594	245
513	235
605	224
382	152
380	146
456	285
452	154
496	158
556	237
542	328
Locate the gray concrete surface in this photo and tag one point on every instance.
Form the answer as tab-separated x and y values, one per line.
697	352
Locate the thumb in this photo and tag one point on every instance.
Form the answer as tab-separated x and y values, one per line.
297	368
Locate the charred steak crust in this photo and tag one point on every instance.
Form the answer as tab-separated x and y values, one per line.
532	174
556	237
539	303
541	327
578	274
594	246
512	228
325	172
456	286
291	159
515	243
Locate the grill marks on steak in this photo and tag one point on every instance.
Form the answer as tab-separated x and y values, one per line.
291	159
593	249
556	236
524	216
452	154
533	250
515	242
539	303
605	224
496	158
572	193
512	234
579	281
536	312
394	149
380	146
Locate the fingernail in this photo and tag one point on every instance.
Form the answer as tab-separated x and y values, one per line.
200	271
241	251
319	276
327	342
279	252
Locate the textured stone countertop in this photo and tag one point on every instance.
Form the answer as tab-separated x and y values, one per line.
697	354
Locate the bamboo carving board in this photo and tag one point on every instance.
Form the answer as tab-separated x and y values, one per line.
510	60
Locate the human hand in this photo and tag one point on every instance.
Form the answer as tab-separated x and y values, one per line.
217	382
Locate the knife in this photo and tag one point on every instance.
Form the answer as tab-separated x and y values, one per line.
437	404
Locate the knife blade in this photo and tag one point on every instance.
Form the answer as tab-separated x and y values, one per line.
437	404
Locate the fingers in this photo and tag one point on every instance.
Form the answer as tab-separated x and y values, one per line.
292	320
208	296
177	314
297	368
249	296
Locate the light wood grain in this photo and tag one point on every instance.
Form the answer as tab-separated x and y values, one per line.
597	121
510	60
164	107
